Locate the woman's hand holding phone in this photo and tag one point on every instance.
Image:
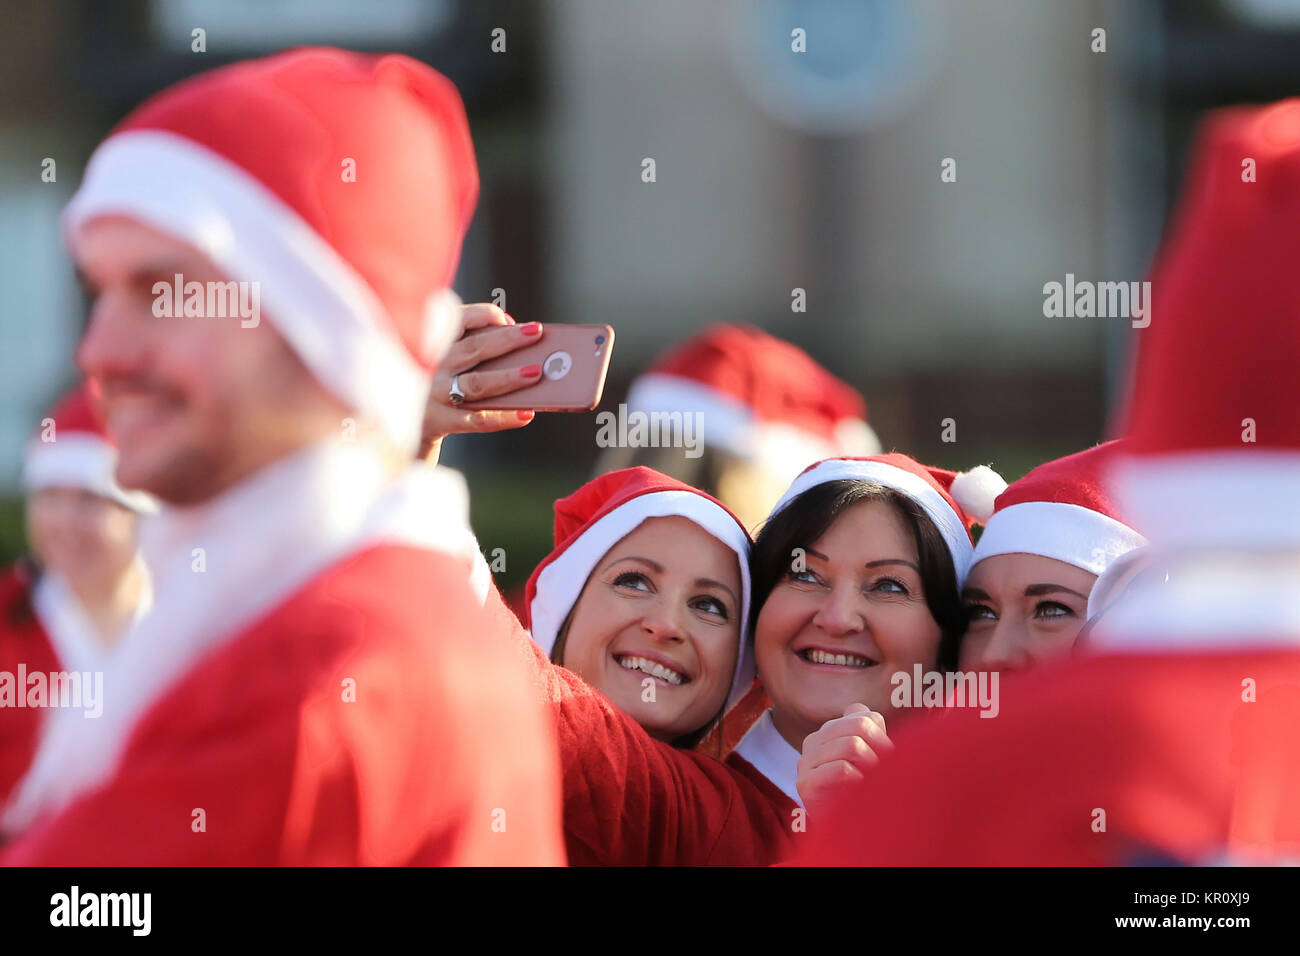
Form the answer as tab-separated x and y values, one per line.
486	333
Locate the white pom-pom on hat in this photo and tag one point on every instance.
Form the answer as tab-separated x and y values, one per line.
976	491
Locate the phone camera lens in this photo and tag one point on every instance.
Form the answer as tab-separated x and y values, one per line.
600	340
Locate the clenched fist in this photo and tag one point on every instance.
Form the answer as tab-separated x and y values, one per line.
841	752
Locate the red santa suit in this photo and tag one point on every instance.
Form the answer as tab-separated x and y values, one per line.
1140	758
25	648
323	720
44	630
303	691
1177	738
631	800
43	627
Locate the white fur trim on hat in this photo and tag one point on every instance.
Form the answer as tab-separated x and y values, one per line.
80	460
560	583
947	520
1078	536
725	420
977	490
728	424
784	450
330	316
1219	499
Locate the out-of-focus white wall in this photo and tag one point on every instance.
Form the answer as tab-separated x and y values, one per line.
917	271
712	237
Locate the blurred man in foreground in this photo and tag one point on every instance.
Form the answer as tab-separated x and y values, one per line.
290	699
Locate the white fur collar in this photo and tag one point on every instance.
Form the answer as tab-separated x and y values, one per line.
220	566
766	751
76	642
65	621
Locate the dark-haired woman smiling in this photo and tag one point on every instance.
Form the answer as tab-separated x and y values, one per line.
858	573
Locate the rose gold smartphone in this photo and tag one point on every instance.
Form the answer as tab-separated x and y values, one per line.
574	360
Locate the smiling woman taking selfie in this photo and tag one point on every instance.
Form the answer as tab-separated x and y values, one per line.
646	597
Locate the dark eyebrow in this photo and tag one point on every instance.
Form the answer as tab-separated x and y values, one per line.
1038	590
709	582
869	564
876	564
659	568
974	594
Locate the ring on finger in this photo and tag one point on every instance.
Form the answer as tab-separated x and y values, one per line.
454	393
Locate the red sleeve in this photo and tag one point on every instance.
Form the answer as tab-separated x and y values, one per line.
632	800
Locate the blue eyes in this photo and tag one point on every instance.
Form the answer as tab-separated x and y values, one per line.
1051	609
883	585
1046	610
636	581
710	606
632	579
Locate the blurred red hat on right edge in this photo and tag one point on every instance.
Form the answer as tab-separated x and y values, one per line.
1213	419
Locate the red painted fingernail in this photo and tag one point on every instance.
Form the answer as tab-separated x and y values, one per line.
525	416
530	370
532	328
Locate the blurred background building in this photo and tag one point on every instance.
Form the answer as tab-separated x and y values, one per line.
775	170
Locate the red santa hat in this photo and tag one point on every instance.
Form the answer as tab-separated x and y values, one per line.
943	495
589	522
1213	453
760	398
343	184
1061	510
72	450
